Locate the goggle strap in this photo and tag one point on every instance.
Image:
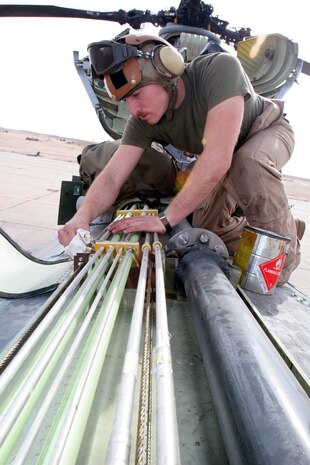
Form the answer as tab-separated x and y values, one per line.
123	53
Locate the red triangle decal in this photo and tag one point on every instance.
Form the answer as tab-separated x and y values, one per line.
271	270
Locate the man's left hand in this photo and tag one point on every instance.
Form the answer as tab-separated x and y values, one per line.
137	224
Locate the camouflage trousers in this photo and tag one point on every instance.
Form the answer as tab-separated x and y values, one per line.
252	192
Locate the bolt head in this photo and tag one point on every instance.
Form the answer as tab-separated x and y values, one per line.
183	239
204	238
218	248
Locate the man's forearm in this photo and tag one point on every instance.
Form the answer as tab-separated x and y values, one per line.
103	192
99	198
203	178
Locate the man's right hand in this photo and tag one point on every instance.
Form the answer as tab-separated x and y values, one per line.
68	231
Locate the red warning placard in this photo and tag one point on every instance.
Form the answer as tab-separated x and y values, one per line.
271	270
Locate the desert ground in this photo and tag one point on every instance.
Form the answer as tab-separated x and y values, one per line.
66	149
40	145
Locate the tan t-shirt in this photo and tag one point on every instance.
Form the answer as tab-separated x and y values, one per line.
209	80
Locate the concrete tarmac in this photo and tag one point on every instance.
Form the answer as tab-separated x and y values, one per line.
29	197
29	200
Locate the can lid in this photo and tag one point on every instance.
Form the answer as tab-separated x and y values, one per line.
265	232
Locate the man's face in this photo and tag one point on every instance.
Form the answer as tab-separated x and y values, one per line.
149	103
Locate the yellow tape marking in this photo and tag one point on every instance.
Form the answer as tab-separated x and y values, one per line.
137	212
134	246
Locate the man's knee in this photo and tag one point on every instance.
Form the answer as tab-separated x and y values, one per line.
257	184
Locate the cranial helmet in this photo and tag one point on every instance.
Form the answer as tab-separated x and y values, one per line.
134	61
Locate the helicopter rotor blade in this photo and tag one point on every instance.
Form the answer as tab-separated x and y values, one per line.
51	11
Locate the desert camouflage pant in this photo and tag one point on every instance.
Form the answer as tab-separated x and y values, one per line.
252	192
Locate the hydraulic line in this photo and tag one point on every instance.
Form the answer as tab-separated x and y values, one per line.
79	299
79	387
71	428
37	421
17	410
167	433
119	445
20	357
103	235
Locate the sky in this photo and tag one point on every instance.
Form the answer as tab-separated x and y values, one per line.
40	90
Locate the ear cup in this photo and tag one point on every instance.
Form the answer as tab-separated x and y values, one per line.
171	60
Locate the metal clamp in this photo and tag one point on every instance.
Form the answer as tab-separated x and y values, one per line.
199	241
188	239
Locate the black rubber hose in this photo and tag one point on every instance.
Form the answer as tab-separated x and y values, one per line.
263	412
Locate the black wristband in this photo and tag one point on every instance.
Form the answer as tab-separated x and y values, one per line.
165	222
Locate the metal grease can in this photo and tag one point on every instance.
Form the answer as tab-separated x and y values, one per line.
261	255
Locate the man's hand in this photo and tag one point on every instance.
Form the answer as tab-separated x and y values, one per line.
138	223
67	232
